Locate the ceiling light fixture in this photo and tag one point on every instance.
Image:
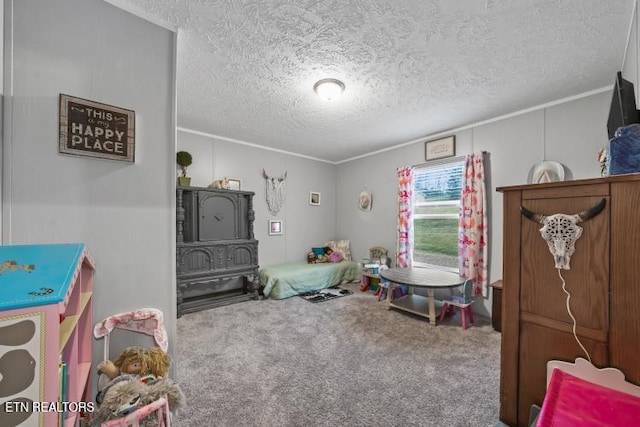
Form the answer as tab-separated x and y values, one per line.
329	88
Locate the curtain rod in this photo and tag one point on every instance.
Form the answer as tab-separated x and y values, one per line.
437	162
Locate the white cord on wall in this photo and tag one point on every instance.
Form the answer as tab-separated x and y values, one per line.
571	315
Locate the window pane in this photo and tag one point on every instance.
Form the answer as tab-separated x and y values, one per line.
436	211
436	241
437	235
438	183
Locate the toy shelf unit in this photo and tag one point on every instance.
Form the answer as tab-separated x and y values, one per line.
370	278
45	334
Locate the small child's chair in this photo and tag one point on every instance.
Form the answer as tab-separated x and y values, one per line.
383	288
379	254
463	302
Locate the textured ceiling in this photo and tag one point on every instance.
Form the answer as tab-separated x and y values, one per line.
412	68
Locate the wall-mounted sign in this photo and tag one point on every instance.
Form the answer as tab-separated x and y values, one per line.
89	128
440	148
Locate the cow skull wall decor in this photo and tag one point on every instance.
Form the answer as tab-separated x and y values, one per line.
275	191
561	231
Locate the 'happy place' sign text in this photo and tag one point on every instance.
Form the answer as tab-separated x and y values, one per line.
89	128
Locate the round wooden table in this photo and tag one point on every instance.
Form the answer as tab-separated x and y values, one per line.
428	278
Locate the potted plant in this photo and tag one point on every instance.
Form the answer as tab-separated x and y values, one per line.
184	160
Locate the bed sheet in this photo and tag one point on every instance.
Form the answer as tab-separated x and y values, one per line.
286	280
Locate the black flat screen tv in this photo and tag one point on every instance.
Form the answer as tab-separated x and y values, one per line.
623	105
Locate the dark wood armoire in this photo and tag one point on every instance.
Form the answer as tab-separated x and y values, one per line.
603	282
217	254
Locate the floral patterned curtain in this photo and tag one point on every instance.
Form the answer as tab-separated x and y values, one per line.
472	243
405	217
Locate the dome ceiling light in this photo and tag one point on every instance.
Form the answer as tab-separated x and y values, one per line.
329	88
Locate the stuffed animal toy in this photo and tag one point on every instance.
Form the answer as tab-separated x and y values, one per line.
221	183
143	362
126	393
311	258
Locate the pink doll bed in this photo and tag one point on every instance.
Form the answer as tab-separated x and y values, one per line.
579	394
148	321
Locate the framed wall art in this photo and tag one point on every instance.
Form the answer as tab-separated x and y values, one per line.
440	148
314	198
275	227
234	184
364	200
92	129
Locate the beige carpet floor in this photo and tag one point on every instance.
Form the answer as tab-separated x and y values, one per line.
344	362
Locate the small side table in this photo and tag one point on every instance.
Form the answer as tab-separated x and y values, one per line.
496	309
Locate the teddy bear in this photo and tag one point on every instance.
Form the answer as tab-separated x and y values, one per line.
125	394
144	363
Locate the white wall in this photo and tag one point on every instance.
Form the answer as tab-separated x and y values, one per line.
124	212
305	226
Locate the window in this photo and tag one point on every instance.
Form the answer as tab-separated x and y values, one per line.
435	217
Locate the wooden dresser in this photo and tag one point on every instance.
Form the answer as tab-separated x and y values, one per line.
603	283
217	255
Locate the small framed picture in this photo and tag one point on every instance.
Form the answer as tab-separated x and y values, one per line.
314	198
440	148
364	200
234	184
275	227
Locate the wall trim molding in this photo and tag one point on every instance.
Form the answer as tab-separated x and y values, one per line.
6	145
632	24
250	144
413	141
142	15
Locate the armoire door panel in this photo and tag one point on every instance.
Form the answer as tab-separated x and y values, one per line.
218	217
539	345
593	334
587	279
624	338
193	260
567	191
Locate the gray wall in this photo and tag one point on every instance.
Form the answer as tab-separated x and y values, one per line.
1	110
570	133
631	68
124	212
305	225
